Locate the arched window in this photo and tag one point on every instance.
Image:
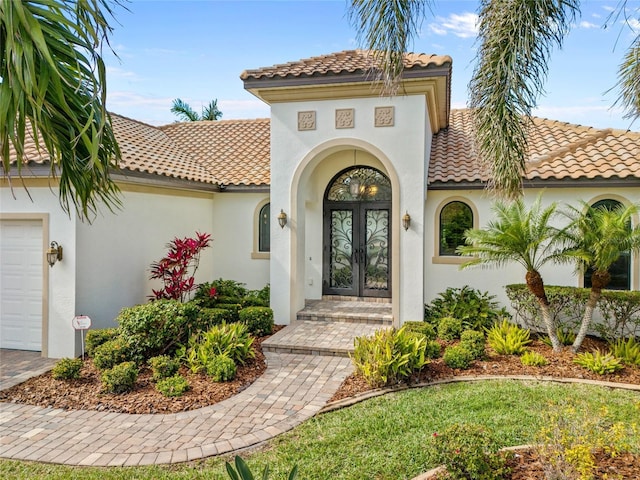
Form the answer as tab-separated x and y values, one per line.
455	218
620	270
264	233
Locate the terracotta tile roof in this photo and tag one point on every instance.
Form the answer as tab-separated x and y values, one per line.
148	149
144	149
557	150
238	152
347	61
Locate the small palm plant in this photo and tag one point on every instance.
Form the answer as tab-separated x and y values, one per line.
523	236
595	238
185	113
242	471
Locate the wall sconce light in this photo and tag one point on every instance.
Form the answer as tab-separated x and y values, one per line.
54	253
282	218
406	221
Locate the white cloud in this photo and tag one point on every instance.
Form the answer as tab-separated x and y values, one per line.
634	24
243	109
117	72
588	25
464	25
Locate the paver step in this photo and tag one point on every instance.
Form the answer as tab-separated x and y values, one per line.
347	311
318	337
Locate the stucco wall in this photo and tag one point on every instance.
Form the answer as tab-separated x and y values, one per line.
304	161
235	255
115	251
59	282
439	275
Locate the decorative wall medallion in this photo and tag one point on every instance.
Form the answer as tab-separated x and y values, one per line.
345	117
307	120
384	117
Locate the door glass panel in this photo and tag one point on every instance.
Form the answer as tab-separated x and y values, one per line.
341	241
376	275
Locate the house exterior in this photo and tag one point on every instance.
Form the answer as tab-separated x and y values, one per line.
341	193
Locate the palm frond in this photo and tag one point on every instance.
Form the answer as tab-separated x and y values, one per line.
211	111
629	82
183	111
516	38
387	28
53	88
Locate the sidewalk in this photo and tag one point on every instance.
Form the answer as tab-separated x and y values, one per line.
292	389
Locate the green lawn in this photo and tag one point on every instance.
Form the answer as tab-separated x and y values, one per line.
388	437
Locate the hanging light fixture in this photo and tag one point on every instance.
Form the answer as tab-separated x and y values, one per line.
54	253
354	182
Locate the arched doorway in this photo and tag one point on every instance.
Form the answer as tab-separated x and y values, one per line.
357	234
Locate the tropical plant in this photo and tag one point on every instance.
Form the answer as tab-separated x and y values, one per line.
598	362
53	89
177	270
243	472
184	112
506	82
389	356
627	351
533	359
595	238
523	236
507	338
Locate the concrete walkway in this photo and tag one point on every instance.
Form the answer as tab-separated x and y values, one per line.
293	388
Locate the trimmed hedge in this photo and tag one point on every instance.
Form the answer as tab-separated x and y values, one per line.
619	310
95	338
259	320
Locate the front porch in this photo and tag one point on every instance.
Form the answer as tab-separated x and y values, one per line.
329	326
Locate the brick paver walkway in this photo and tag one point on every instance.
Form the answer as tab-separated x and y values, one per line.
292	389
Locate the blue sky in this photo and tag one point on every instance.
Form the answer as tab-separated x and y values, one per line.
196	51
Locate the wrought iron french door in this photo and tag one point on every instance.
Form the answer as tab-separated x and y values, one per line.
356	249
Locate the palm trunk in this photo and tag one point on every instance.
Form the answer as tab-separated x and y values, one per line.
536	287
598	281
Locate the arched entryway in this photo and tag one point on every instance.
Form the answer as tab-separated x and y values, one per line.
357	234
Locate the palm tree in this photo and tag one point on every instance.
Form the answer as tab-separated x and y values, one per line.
183	111
520	235
595	238
515	42
53	91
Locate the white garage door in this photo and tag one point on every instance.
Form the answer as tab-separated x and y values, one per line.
21	259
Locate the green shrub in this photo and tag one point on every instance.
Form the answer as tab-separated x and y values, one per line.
477	310
533	359
232	340
111	353
163	366
449	328
259	320
389	356
221	368
507	338
432	349
565	335
620	310
457	356
210	317
121	378
254	301
67	369
628	351
598	362
158	327
474	341
174	386
233	310
469	452
423	328
95	338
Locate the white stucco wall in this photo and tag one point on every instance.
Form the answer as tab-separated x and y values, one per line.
304	161
235	249
60	281
439	276
114	253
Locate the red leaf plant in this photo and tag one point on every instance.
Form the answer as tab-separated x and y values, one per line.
177	270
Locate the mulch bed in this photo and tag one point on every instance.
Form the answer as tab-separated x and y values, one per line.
560	366
86	392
